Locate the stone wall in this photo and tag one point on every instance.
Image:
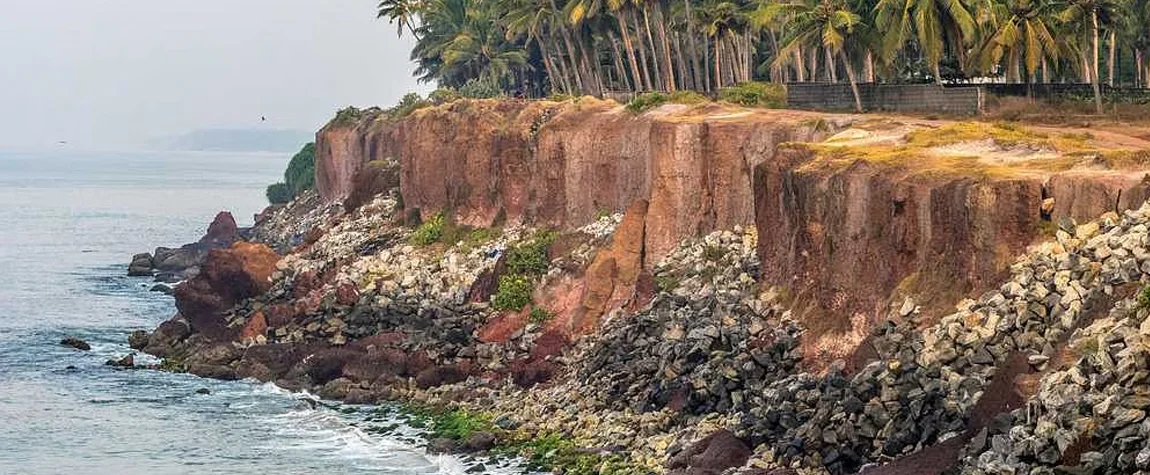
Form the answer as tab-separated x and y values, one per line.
886	97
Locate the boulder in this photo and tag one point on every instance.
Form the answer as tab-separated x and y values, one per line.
125	362
141	265
711	455
76	343
138	339
228	277
222	231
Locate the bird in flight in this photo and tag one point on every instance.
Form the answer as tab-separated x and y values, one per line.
263	119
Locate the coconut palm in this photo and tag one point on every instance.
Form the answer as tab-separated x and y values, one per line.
404	13
1022	34
814	23
1091	16
937	25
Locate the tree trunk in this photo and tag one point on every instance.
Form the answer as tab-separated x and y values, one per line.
854	83
813	58
647	83
552	75
831	65
661	33
564	72
1094	59
574	59
656	72
620	70
681	65
868	71
636	77
1113	57
1045	70
718	64
706	65
1137	67
799	66
696	73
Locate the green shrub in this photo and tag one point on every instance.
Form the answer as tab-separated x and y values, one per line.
687	97
530	258
279	193
540	315
514	293
443	95
476	88
347	116
1144	298
645	101
430	232
755	94
300	173
666	283
410	102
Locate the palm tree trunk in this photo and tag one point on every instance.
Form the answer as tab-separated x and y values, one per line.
661	33
573	58
718	64
620	70
831	65
813	58
854	83
549	66
637	79
564	73
1094	59
647	82
706	65
1113	57
657	72
1137	67
695	74
681	65
868	71
1045	70
800	68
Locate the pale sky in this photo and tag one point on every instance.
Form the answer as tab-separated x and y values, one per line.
113	74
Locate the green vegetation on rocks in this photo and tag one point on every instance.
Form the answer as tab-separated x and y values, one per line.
514	293
430	232
525	263
756	94
279	193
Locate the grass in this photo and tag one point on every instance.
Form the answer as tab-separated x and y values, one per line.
540	315
755	94
529	258
666	283
651	100
430	232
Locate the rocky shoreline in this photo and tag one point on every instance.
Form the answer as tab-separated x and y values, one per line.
604	348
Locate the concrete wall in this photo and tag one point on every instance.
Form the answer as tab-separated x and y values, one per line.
886	97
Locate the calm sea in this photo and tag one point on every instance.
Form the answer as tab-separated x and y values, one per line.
69	222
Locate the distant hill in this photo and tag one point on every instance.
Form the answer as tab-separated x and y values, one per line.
238	140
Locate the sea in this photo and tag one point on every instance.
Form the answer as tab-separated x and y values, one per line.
69	224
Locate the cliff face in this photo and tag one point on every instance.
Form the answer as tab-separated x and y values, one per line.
561	164
843	243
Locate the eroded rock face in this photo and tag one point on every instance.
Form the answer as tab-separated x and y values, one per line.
229	276
561	164
938	236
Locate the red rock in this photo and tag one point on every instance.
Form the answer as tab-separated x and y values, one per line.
346	293
228	276
527	373
280	314
256	325
376	177
711	456
223	228
502	326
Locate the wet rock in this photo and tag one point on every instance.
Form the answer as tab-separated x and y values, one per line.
163	289
479	442
442	446
128	361
203	391
76	343
141	265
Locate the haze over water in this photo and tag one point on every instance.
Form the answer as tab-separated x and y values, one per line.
69	222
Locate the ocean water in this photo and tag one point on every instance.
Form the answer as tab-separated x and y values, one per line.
69	223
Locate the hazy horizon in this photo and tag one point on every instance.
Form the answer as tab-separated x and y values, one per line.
118	74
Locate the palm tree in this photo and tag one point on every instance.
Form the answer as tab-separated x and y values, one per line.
1022	34
404	13
826	23
1093	14
938	25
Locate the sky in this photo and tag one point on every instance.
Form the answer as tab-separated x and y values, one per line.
118	74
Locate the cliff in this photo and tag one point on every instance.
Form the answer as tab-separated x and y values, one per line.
698	288
916	228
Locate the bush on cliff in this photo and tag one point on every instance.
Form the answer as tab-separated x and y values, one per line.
410	102
514	293
480	89
300	173
430	232
279	193
755	94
